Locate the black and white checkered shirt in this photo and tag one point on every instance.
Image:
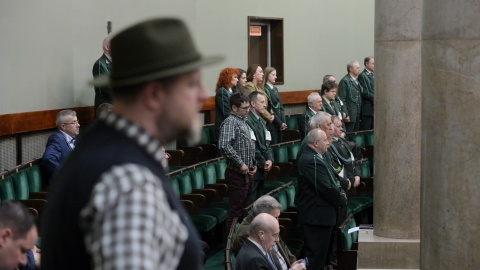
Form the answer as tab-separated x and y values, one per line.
235	142
128	222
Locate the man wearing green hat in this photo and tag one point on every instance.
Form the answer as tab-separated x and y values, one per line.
113	207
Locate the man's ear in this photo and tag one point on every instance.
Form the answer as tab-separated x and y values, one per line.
5	233
153	95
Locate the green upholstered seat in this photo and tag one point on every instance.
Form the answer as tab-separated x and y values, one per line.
34	178
220	167
292	122
357	138
219	213
271	185
20	185
204	223
281	197
209	173
365	169
293	150
290	192
196	176
280	154
175	186
369	139
6	189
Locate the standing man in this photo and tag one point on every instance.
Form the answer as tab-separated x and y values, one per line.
263	151
319	197
366	80
116	209
236	143
60	143
103	94
314	105
350	92
18	235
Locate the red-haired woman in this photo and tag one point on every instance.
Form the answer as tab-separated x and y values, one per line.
227	79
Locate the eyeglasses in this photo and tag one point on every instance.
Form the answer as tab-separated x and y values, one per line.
72	123
245	108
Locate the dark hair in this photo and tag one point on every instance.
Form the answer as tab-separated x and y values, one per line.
367	59
15	216
237	99
327	77
254	95
327	86
251	70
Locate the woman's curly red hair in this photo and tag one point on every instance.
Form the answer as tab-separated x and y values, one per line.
225	78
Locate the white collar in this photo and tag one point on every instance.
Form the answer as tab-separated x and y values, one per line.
259	246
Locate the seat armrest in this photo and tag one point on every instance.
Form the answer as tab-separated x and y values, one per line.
197	199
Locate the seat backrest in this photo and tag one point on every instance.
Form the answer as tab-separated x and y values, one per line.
369	138
358	139
175	186
205	139
6	189
290	192
20	185
293	150
209	173
196	176
220	167
34	178
281	197
347	238
352	224
365	169
184	183
280	154
292	122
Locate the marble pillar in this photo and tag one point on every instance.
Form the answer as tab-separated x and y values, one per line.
398	93
450	234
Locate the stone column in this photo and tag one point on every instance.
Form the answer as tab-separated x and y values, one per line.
394	243
398	26
450	135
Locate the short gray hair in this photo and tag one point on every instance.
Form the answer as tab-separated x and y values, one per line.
314	135
312	96
265	204
318	119
350	65
62	115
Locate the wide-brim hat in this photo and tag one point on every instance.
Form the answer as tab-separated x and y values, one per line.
150	50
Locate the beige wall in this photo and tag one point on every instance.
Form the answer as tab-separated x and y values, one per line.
47	48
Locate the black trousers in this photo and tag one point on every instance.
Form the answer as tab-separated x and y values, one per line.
317	242
239	186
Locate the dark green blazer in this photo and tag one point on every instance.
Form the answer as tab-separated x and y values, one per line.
275	105
319	196
263	151
350	94
303	122
329	108
103	94
366	80
222	106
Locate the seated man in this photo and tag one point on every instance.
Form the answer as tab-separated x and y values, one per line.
314	105
281	255
263	235
60	143
18	235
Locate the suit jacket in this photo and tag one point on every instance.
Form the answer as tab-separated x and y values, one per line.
242	235
329	107
303	122
319	196
222	106
263	151
102	93
56	151
366	80
249	88
275	105
350	94
251	257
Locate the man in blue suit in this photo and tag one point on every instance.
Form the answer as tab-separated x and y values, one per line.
60	143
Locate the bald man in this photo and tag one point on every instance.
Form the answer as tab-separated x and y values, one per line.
102	67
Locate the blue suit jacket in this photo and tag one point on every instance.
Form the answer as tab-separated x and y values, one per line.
56	151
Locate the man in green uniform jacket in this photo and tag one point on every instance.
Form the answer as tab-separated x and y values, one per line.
350	92
262	137
366	80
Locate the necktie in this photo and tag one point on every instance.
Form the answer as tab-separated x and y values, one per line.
270	260
72	143
280	258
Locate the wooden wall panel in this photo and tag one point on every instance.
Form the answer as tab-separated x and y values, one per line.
42	120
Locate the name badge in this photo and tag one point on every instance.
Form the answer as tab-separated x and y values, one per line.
252	135
268	136
340	115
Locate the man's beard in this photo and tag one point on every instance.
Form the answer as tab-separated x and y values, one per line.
193	134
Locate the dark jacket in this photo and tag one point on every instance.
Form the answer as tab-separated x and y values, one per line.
56	151
350	94
103	94
367	82
263	151
251	257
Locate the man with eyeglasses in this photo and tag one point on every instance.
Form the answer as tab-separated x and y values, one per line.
236	144
60	143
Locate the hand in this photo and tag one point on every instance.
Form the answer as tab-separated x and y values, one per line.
349	185
344	115
271	118
283	126
244	169
298	266
357	181
346	119
252	172
268	165
36	256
